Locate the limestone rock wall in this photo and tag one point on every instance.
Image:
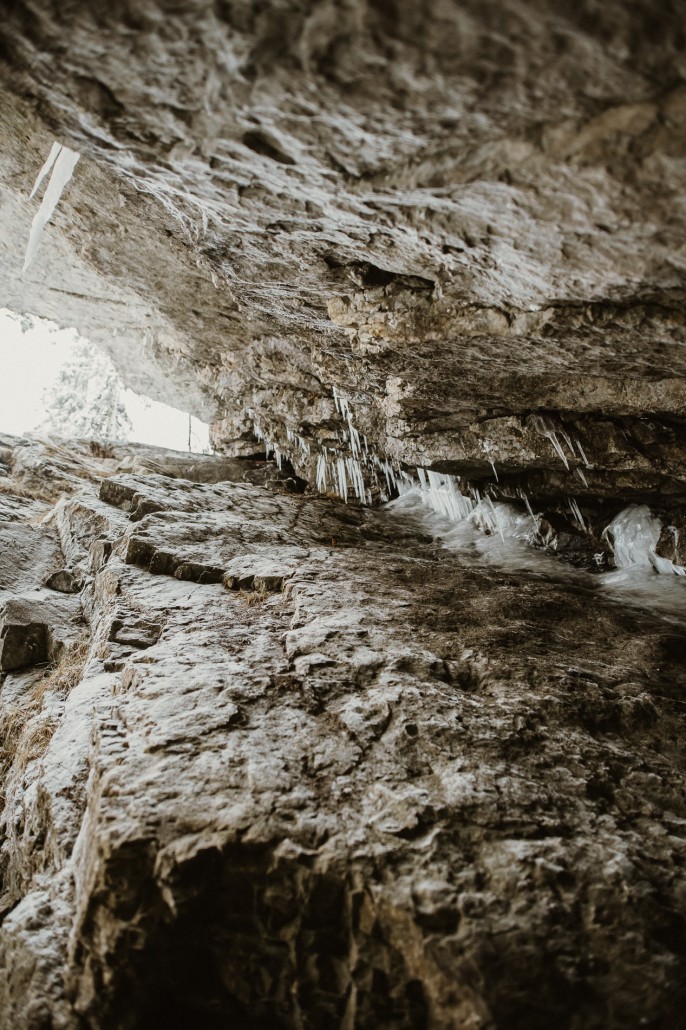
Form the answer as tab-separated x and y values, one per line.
465	217
270	760
289	763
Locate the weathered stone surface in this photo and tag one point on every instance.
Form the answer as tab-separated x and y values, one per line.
398	792
392	776
22	641
65	581
464	217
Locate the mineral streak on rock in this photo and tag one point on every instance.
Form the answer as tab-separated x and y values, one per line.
373	783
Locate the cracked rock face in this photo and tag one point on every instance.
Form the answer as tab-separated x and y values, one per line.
297	764
270	760
467	218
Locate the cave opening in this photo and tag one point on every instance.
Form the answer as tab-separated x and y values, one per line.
57	383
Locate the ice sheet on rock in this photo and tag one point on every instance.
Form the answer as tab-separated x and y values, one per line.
508	549
639	587
634	534
64	161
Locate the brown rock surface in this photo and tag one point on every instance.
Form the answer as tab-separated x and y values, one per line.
457	214
397	792
299	764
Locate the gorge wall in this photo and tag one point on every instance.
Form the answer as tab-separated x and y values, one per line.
295	762
286	763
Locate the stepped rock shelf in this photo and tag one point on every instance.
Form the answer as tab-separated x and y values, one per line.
286	763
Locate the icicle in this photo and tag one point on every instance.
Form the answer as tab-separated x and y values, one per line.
387	469
440	493
581	476
342	479
438	496
361	488
492	464
354	440
545	430
342	406
576	512
583	455
461	506
552	436
567	440
64	161
321	472
50	160
525	498
357	479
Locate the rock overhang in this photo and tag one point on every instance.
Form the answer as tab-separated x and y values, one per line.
462	219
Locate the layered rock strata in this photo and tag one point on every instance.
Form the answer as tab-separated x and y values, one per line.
466	218
295	764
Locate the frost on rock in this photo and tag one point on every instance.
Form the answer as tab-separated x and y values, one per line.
62	161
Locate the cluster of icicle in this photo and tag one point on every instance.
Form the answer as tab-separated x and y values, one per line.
443	494
633	534
553	435
271	449
340	470
343	473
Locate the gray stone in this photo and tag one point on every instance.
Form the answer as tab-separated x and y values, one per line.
22	643
431	781
466	247
66	581
134	633
399	780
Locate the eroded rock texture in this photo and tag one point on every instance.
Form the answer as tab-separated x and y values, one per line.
269	760
294	764
466	217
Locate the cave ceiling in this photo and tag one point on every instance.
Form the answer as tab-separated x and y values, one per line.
466	219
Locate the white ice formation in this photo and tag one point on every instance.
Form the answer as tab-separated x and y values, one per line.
62	161
633	535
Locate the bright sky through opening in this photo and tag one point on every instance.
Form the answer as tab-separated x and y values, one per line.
30	362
